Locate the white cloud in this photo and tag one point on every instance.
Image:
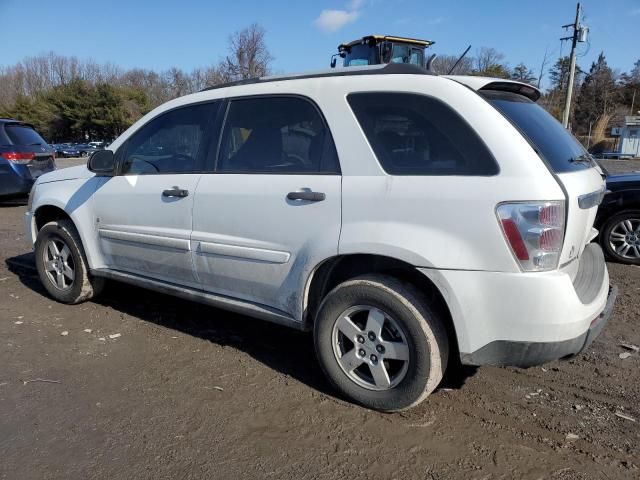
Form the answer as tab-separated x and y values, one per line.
333	20
435	21
635	11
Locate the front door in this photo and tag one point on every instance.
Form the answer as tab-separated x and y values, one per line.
271	210
143	214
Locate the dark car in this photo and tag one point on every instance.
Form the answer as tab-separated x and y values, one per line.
24	156
66	150
618	218
85	149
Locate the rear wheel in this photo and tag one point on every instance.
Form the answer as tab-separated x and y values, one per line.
620	237
62	265
379	343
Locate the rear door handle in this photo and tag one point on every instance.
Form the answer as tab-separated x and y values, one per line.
175	192
307	195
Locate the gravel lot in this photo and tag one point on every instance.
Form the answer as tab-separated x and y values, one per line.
138	385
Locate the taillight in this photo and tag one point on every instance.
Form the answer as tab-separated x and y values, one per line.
534	231
18	157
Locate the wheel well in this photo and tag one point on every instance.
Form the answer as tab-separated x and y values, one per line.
49	213
342	268
620	206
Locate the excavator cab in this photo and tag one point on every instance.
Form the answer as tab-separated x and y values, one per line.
382	49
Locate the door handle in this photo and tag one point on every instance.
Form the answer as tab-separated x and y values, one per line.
307	195
175	192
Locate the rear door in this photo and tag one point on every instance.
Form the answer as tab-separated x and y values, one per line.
271	210
567	159
143	214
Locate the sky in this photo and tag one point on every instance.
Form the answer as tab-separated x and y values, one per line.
303	34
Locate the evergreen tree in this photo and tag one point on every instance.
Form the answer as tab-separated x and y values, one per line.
597	95
554	99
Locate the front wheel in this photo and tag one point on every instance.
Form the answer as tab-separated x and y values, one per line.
62	265
620	237
379	343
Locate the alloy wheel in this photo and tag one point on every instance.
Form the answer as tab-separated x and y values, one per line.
58	264
624	238
370	347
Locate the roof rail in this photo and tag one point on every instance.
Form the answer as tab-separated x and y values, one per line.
388	69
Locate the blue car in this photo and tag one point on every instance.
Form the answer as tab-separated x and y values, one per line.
24	156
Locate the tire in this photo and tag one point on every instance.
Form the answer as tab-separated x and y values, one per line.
71	289
616	236
406	320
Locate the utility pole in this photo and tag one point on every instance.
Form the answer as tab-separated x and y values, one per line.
572	69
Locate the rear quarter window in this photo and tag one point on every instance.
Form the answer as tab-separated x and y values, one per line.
414	134
553	143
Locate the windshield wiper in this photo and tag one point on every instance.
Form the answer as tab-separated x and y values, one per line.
584	158
32	144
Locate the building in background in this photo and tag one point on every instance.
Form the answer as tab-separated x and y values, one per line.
629	143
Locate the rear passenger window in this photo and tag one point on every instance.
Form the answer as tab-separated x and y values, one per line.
170	143
414	134
284	135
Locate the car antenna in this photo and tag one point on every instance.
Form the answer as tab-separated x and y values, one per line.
458	61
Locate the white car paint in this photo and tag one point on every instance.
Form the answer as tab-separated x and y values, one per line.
236	236
259	247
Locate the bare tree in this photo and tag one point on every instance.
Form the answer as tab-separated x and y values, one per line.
443	65
543	66
248	55
489	60
522	73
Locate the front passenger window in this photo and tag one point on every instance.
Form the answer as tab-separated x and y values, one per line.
278	135
170	143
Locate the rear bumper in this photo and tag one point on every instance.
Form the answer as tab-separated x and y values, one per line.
524	319
11	183
527	354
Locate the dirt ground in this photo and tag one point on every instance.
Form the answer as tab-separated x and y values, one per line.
137	385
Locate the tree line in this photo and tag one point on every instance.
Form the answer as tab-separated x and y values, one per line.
66	98
69	99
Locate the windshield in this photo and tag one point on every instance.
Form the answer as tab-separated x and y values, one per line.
23	135
548	137
360	55
403	53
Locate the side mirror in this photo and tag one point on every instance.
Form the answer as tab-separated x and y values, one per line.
102	163
333	62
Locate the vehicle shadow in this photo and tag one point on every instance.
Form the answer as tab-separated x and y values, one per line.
283	349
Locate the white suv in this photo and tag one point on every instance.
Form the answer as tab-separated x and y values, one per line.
408	219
